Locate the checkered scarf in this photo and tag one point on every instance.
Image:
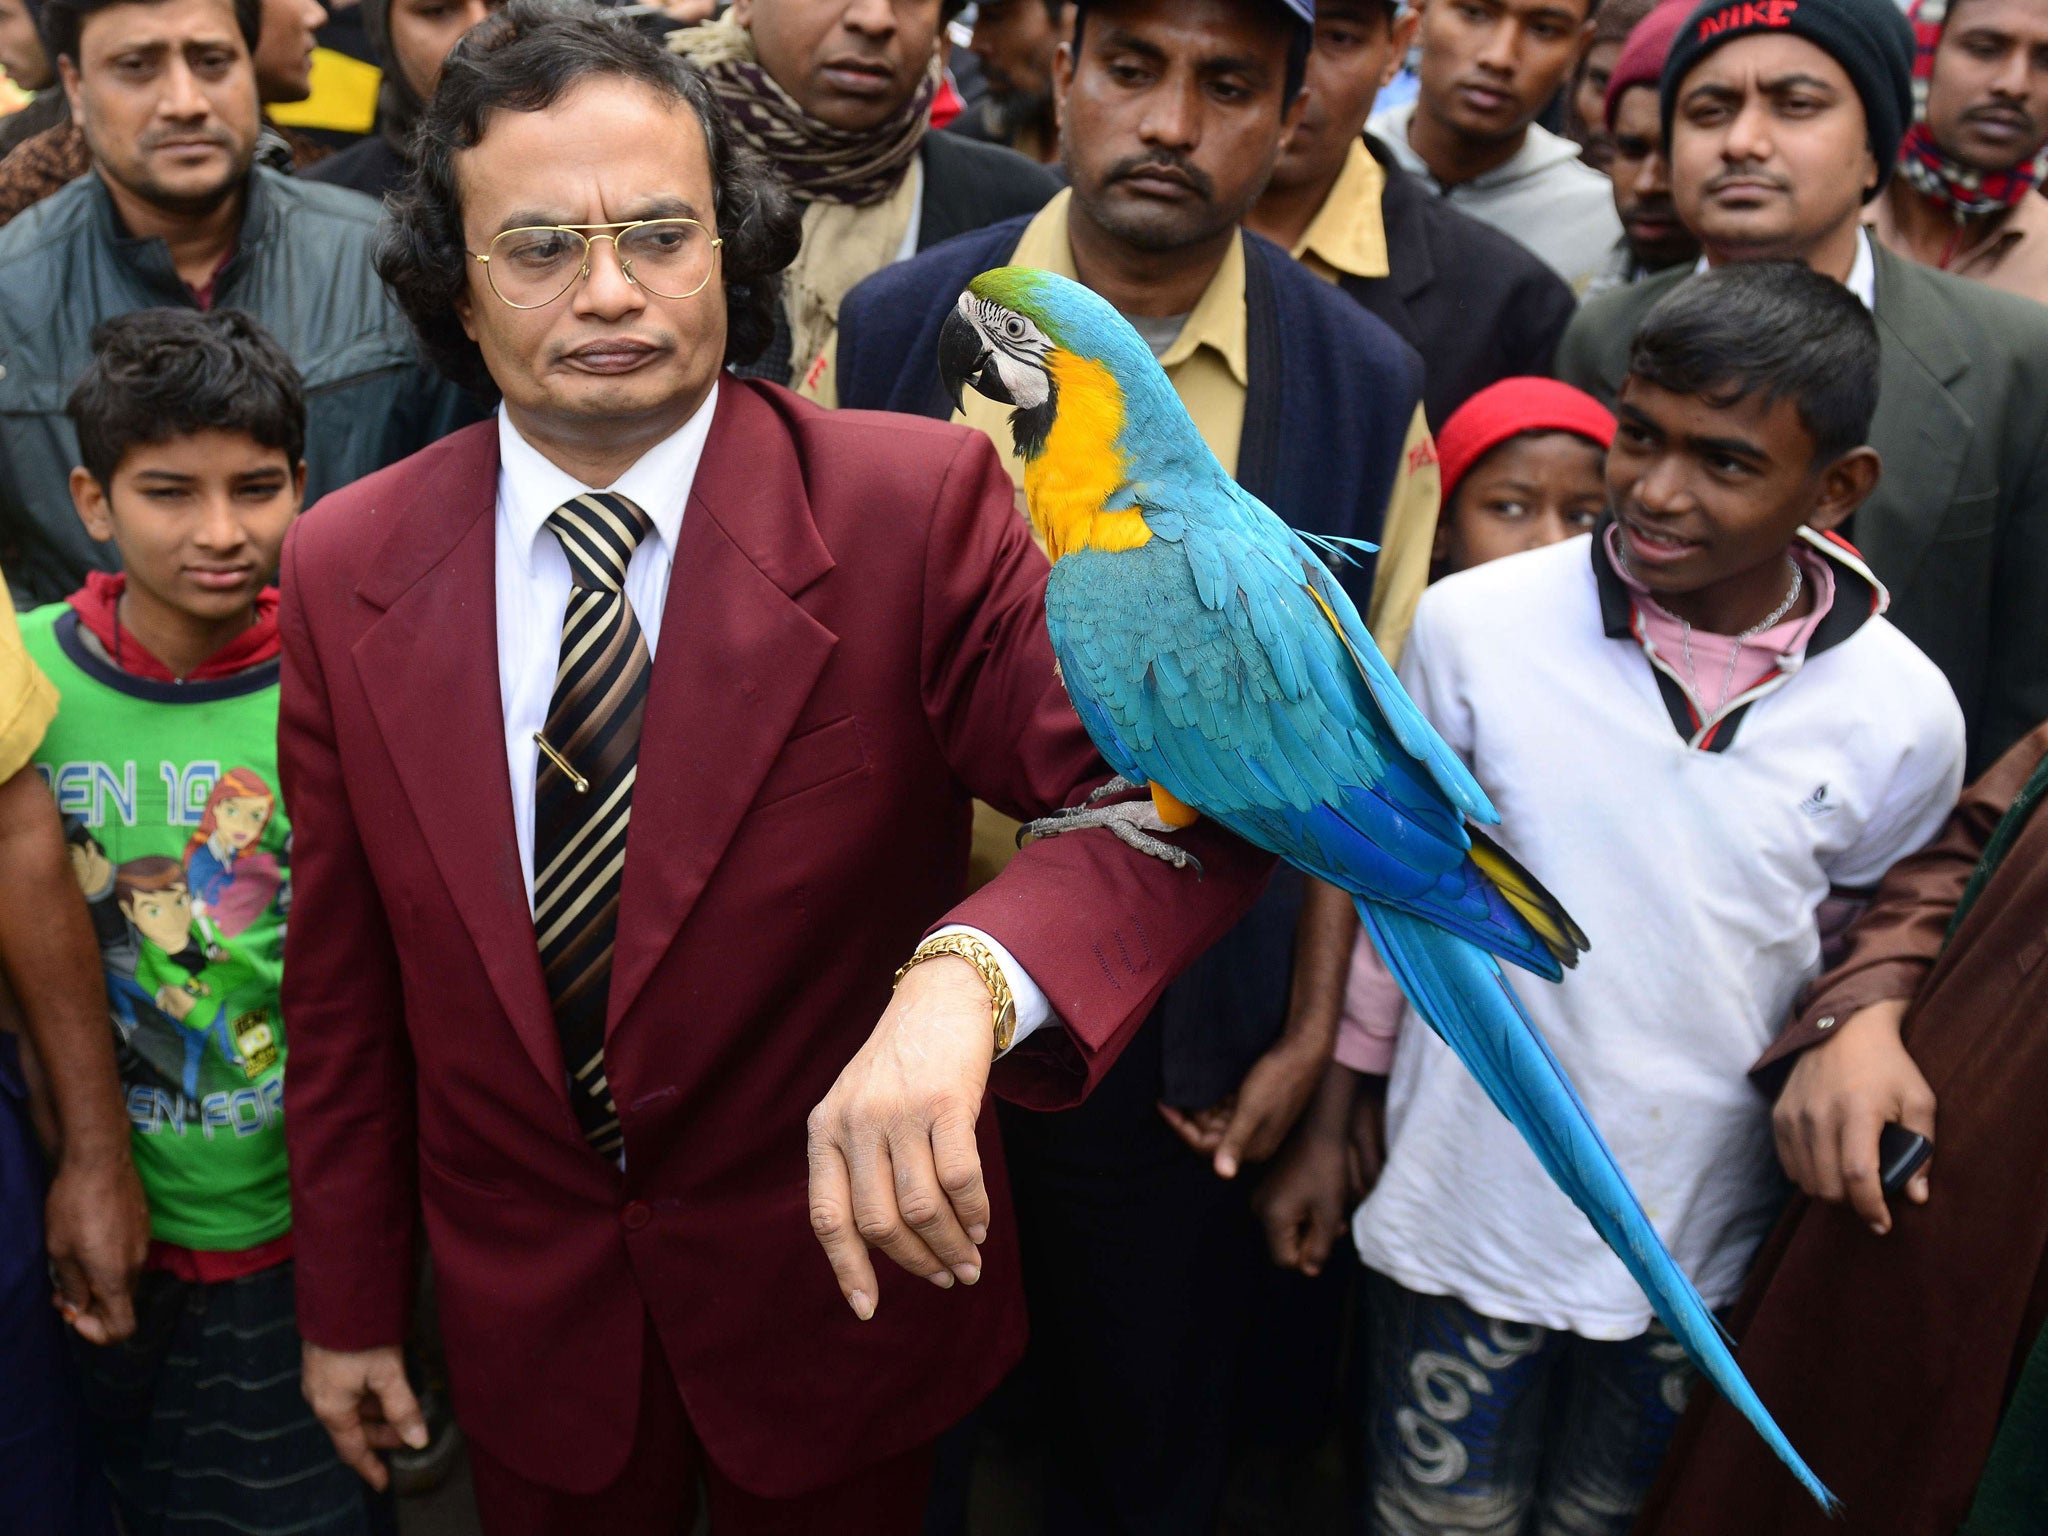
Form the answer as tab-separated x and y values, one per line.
1930	169
822	164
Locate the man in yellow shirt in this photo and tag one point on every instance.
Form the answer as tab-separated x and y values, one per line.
1173	114
1478	305
89	1232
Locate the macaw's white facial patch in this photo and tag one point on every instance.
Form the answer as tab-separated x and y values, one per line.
1017	348
1027	383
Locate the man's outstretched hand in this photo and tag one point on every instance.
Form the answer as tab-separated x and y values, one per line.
893	1159
365	1404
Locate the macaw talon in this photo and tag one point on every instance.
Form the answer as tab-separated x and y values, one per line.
1116	786
1132	823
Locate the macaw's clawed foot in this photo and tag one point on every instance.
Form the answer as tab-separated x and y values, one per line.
1057	821
1132	823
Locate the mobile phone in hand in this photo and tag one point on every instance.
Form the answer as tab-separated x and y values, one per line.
1900	1154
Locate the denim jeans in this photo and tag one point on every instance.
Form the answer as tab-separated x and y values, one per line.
1472	1426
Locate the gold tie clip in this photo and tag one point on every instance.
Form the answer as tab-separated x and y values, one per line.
576	780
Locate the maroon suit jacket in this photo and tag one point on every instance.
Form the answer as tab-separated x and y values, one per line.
854	647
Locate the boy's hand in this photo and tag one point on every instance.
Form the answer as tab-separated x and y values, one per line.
1368	1134
1838	1098
365	1404
1303	1202
1249	1125
96	1224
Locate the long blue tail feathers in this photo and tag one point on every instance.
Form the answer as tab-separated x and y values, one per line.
1459	989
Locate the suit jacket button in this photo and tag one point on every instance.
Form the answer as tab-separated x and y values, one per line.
635	1216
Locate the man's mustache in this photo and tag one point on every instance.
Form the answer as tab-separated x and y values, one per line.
1165	163
1748	173
156	138
2004	112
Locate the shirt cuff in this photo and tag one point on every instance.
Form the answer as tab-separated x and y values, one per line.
1033	1009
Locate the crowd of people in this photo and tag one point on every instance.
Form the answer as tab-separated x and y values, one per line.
390	1069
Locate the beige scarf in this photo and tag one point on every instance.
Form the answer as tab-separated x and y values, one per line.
858	189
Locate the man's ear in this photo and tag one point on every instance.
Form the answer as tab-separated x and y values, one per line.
67	76
1403	38
1290	119
299	487
1585	47
742	13
90	500
1844	486
1062	82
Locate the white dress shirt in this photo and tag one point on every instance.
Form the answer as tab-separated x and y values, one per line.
533	584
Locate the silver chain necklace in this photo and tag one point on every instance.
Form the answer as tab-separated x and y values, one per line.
1735	650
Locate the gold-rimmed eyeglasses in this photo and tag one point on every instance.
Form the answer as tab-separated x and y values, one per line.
531	268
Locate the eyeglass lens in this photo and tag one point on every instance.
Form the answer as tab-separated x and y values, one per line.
532	267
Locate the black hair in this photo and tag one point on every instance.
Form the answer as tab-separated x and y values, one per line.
1772	328
157	374
522	59
1299	39
63	20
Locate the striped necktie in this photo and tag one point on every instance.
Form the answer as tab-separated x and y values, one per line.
583	793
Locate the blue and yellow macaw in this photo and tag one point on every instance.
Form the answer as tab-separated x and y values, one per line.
1214	660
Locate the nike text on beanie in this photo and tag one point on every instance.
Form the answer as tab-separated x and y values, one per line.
1870	39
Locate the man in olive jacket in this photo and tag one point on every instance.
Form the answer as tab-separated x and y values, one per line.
1958	527
175	212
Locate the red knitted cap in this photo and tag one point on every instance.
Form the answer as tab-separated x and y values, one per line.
1510	408
1642	56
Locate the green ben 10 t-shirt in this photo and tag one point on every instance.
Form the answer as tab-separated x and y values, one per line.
180	843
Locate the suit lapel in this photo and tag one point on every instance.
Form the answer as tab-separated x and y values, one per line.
738	656
429	668
1922	431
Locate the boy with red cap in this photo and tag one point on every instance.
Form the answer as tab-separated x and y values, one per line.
1521	468
1699	725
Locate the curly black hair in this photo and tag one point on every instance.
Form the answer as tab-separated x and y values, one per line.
522	59
157	374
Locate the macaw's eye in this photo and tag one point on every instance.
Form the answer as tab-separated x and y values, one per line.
1014	328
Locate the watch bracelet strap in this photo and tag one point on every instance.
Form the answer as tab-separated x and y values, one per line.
1002	1004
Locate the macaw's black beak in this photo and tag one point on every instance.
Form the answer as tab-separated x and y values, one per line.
965	359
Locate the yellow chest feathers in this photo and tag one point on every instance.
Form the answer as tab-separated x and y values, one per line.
1081	467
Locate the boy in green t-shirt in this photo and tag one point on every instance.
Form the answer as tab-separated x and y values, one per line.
163	759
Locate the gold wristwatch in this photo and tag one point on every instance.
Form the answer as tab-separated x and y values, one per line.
1002	1006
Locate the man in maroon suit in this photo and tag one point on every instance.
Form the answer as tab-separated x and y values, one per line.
601	872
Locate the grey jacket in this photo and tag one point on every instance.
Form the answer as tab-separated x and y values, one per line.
302	266
1958	527
1545	197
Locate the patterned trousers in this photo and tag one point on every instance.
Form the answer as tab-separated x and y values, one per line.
1472	1426
201	1425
